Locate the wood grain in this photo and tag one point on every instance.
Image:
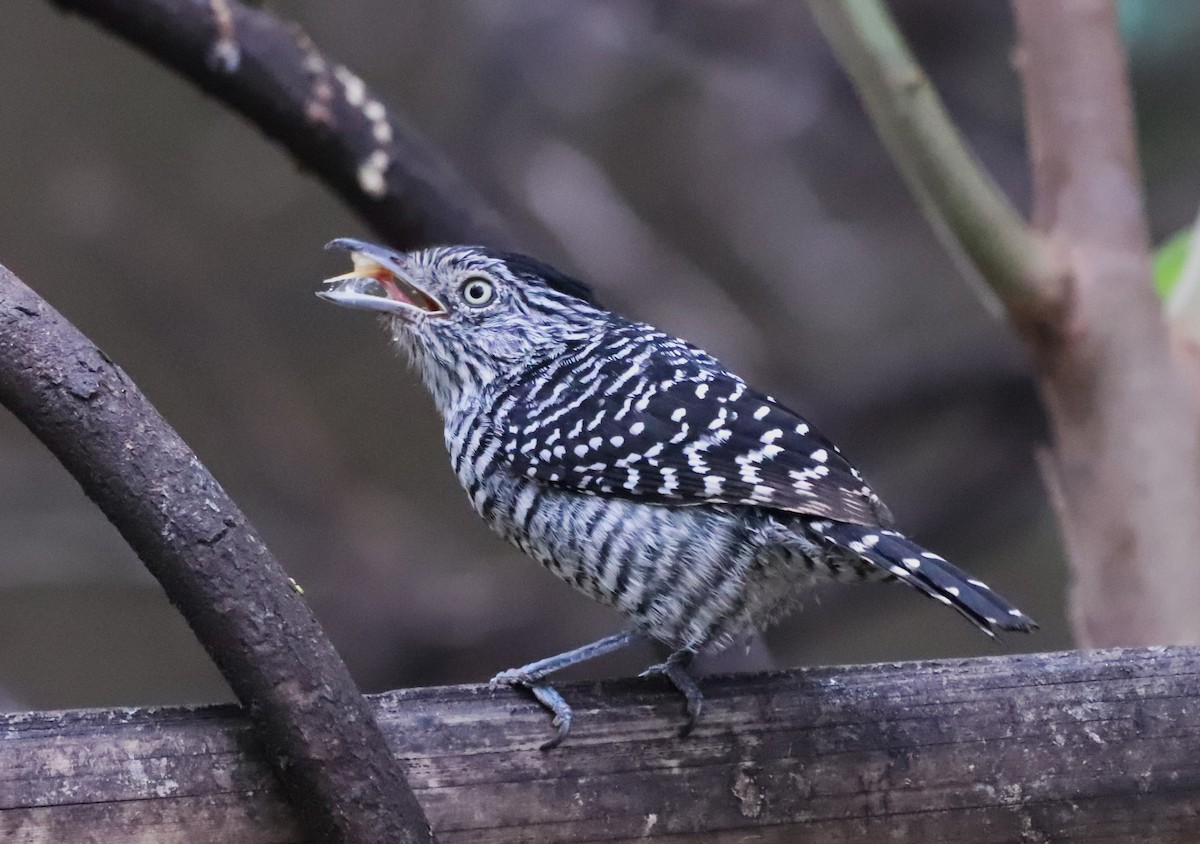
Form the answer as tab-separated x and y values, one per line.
1073	746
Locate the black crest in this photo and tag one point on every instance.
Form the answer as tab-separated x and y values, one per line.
526	267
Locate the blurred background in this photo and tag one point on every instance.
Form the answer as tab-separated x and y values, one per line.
704	163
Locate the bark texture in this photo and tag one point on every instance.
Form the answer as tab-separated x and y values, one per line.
321	112
1124	464
309	715
1079	747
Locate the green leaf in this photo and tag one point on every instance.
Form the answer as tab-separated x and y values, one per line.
1168	262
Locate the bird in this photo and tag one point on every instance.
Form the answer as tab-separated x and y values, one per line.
633	464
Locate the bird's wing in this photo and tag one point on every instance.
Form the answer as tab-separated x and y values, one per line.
677	429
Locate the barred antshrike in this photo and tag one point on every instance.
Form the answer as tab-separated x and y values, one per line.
632	464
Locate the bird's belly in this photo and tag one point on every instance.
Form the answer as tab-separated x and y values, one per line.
680	574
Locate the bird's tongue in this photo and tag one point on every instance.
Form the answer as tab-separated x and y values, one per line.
363	286
370	279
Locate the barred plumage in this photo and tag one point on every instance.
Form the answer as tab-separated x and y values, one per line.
631	463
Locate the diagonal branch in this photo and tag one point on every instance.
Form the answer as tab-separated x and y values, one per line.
237	599
1123	469
968	210
320	111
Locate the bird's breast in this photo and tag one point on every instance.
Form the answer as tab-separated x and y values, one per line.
679	573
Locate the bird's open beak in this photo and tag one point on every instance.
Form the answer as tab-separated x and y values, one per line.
377	282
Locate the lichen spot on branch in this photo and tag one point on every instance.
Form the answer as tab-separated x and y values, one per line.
318	106
372	172
373	169
225	55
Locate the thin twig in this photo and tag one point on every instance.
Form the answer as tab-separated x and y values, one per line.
316	727
1124	462
967	209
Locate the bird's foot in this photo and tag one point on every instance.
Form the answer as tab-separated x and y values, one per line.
561	710
531	676
546	696
514	677
675	670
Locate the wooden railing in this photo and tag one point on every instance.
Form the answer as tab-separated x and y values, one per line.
1073	746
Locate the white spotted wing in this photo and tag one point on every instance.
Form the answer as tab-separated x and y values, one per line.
655	419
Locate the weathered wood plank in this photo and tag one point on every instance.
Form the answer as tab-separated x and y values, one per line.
1101	746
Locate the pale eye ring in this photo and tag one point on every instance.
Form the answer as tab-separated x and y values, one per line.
477	291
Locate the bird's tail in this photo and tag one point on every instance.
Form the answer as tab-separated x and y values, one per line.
926	572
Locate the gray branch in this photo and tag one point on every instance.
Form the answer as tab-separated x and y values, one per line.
215	569
273	74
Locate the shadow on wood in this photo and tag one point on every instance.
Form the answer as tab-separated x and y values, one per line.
1070	746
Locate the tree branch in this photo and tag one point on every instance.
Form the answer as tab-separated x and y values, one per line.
321	112
324	115
1125	462
213	567
955	193
1081	747
1124	469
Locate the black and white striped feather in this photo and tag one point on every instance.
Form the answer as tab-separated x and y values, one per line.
640	415
633	464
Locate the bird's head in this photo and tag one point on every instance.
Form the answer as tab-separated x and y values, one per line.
465	315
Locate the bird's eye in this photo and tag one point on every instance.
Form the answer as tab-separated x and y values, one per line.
477	292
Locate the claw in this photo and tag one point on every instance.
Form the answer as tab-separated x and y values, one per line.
546	696
675	670
553	701
694	702
511	677
530	676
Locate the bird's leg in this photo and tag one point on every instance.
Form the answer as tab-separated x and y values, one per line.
675	670
530	677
